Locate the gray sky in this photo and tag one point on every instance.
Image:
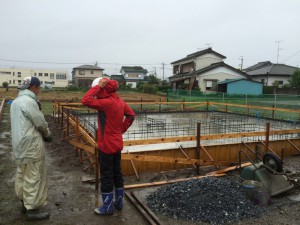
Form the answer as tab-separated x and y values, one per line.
68	33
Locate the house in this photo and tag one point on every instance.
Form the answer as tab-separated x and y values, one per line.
50	77
131	75
240	86
203	70
83	76
270	73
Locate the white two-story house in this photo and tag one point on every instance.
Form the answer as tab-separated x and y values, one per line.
83	76
131	75
203	70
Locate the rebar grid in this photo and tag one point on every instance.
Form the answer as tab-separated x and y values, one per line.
163	125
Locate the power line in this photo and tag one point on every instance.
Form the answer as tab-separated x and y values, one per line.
290	56
24	61
92	63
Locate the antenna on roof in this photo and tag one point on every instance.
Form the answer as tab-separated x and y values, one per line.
278	49
208	45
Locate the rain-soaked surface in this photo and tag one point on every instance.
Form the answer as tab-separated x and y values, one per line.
163	125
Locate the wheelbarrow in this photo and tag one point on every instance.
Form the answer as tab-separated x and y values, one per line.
271	173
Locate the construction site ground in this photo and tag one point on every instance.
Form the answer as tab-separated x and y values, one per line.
72	201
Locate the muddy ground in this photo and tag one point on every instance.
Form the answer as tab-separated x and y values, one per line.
72	201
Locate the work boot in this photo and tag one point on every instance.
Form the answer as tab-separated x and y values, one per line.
24	210
119	198
108	207
36	214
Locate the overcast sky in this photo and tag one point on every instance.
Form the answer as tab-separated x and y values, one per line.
68	33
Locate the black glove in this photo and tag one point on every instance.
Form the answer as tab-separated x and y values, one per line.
48	139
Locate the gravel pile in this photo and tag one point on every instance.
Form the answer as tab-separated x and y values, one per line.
212	200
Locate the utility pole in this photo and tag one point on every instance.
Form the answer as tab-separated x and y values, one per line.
278	49
155	71
163	71
242	60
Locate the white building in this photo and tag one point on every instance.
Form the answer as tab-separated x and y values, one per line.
203	70
14	76
271	73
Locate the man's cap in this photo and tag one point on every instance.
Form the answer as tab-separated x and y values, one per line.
29	81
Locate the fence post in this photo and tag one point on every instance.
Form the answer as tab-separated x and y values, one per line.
141	104
267	136
198	148
159	105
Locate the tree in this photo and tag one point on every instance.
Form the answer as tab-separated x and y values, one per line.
5	85
295	79
152	79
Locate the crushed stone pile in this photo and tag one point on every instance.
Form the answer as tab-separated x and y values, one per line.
212	200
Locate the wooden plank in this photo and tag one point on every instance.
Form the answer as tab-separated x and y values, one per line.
84	147
130	186
207	137
152	158
228	169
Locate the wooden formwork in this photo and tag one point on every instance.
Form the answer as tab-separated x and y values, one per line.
1	109
226	155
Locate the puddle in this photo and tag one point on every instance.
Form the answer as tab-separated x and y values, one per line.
2	146
2	152
295	197
5	135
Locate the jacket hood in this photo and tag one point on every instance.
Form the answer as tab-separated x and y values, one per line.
109	89
28	93
111	86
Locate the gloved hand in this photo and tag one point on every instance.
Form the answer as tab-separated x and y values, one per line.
48	139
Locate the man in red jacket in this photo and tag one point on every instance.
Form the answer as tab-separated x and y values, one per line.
111	125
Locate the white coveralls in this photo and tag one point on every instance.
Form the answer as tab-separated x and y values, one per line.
28	128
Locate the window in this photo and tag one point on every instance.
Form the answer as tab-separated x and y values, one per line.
50	82
35	74
51	75
19	74
81	72
40	74
19	82
14	82
92	72
262	81
211	85
9	81
46	74
61	76
133	75
5	72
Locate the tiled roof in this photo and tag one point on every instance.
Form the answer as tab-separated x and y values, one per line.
199	53
257	66
208	68
88	67
117	77
273	69
134	69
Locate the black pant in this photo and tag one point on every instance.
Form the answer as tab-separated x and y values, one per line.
110	172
